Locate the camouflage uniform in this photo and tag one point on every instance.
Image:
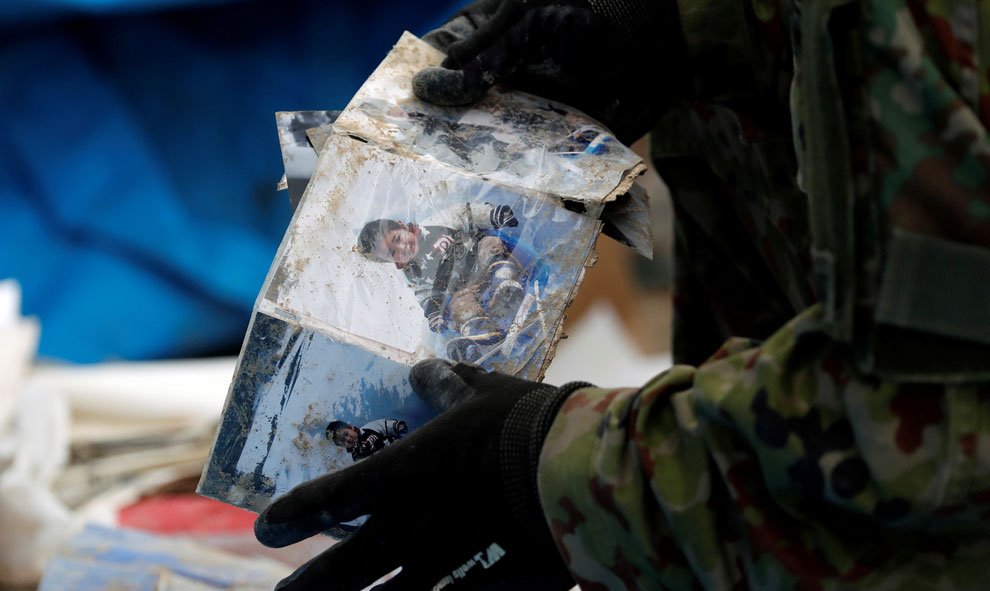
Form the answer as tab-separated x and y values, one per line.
847	444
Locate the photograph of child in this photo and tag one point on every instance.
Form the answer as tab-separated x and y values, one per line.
461	271
415	261
362	442
291	383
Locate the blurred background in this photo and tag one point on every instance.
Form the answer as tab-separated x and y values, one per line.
138	164
139	156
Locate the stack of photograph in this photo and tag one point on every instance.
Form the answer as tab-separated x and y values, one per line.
419	232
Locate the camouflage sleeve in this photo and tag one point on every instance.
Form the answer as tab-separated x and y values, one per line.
772	467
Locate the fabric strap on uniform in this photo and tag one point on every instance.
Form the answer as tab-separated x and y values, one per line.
936	286
826	165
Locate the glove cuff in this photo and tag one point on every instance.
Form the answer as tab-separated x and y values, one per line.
523	433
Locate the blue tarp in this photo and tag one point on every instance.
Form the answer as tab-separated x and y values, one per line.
139	157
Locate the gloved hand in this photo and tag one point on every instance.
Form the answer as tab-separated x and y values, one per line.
468	514
591	54
502	216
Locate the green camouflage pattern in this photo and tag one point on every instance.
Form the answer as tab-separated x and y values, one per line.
929	149
772	467
926	171
893	107
783	461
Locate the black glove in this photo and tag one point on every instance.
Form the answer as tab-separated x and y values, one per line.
469	514
502	216
591	54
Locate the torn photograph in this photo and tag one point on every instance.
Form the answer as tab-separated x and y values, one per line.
298	154
430	262
421	232
302	405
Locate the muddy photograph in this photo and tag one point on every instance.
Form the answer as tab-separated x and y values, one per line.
303	405
431	263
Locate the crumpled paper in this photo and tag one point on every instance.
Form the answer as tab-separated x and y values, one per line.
34	426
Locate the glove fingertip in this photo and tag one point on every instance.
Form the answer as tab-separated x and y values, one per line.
444	87
269	534
425	375
278	525
440	383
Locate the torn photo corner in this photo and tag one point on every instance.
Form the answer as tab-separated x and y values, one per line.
422	232
299	154
527	142
626	220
